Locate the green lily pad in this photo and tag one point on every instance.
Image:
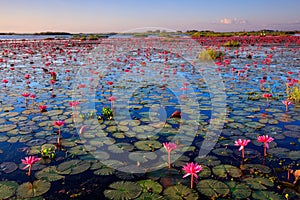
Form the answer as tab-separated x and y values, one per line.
238	190
212	188
223	151
142	157
37	188
224	170
123	191
105	171
255	125
120	147
259	183
49	174
266	195
294	155
7	189
256	167
150	186
205	172
150	196
73	167
148	145
7	127
208	161
8	167
180	192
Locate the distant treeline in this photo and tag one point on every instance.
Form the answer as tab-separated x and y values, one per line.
196	33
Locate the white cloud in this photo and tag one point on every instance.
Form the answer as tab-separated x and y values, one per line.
233	21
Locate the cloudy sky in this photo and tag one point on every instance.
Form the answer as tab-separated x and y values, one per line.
24	16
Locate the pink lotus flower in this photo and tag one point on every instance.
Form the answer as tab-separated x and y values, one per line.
242	144
110	83
74	104
58	123
27	76
26	94
43	108
191	169
265	139
29	161
169	146
266	95
287	103
4	81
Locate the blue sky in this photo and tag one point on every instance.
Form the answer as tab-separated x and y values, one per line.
75	16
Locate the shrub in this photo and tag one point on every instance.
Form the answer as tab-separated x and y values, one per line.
232	43
210	54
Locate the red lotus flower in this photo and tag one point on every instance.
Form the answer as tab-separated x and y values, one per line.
58	123
262	81
266	95
4	81
74	104
265	139
110	83
169	146
29	161
25	94
32	96
27	76
287	103
52	82
43	108
289	72
191	169
242	144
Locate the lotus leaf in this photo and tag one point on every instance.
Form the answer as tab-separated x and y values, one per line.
123	191
7	189
180	192
224	170
212	188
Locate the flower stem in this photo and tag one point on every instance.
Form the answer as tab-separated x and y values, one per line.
192	181
265	150
169	160
243	153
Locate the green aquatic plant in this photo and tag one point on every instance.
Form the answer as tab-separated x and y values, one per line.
48	151
232	43
107	113
294	94
209	54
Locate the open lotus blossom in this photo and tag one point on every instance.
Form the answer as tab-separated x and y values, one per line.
287	103
242	143
4	81
191	169
267	96
29	161
169	146
74	104
25	95
59	124
43	108
27	76
265	139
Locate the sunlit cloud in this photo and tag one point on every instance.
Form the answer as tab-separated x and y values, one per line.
233	21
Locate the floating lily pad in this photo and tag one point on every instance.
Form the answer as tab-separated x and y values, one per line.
73	167
238	190
120	147
148	145
208	161
294	155
205	172
36	142
37	188
105	171
48	174
7	189
224	170
3	138
212	188
223	151
255	125
142	157
256	167
180	192
7	127
150	186
150	196
259	183
123	191
266	195
8	167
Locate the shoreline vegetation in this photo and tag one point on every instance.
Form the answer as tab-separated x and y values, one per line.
192	33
